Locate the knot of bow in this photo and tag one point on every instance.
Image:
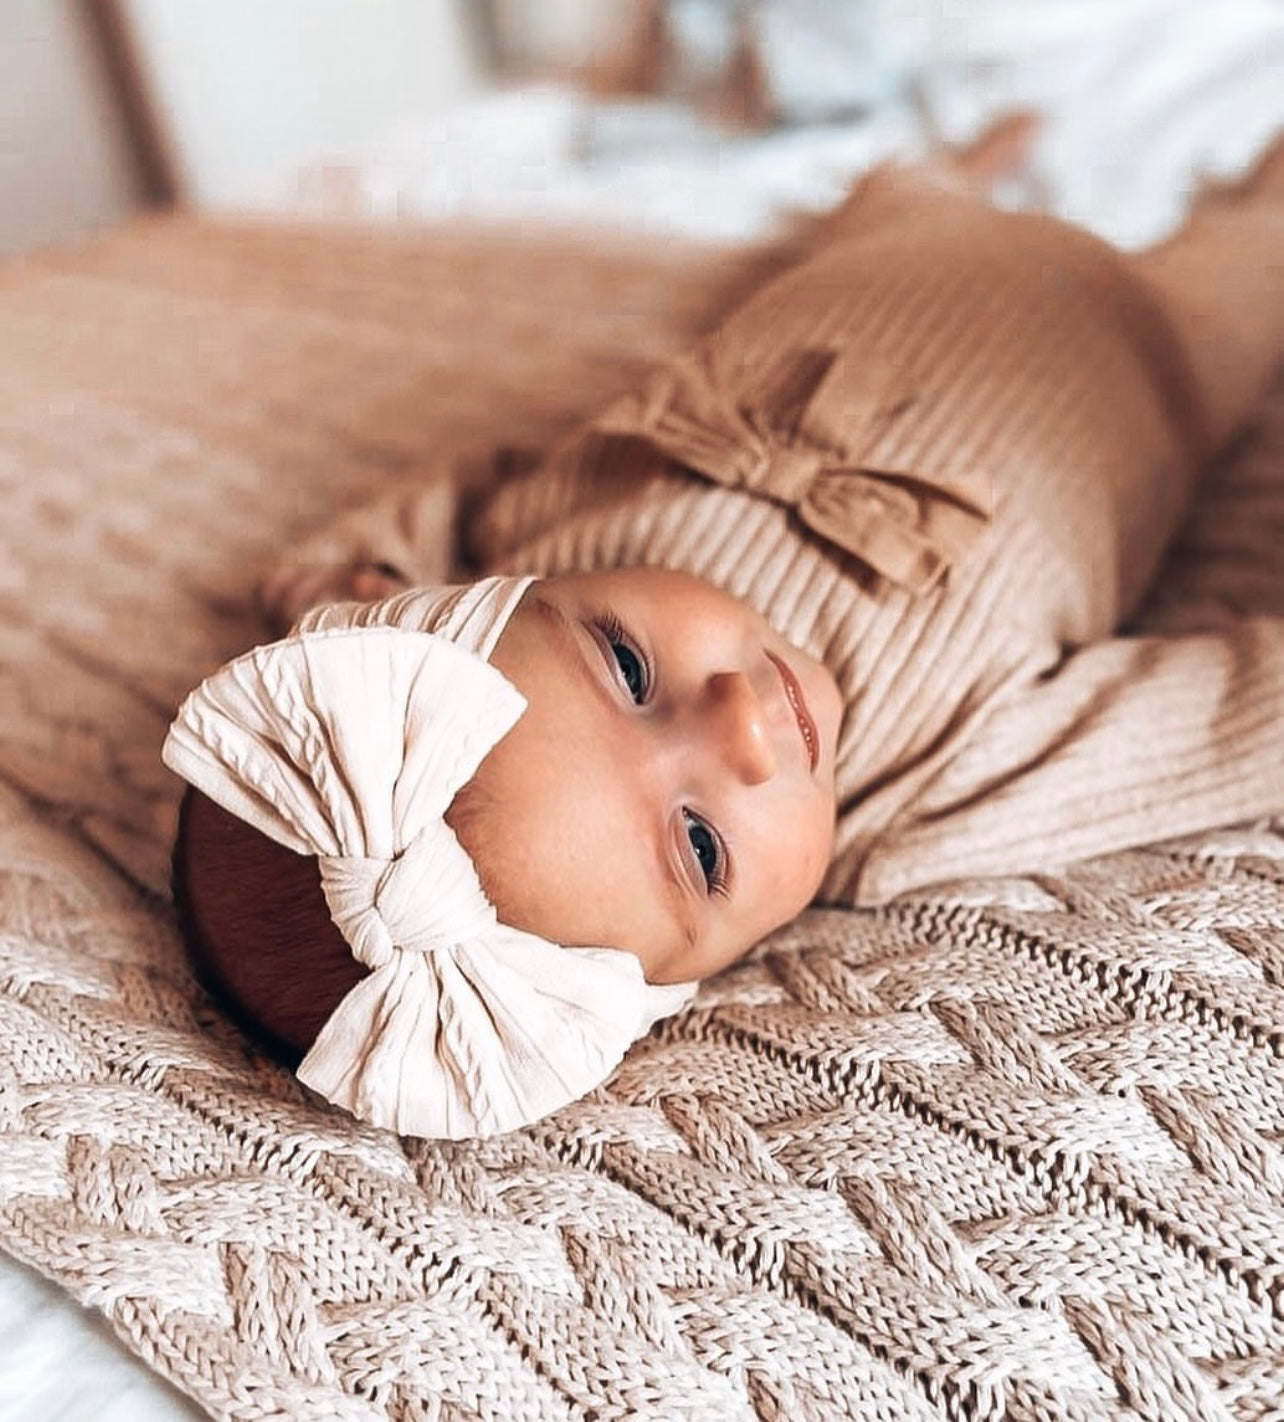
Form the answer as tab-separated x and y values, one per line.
427	898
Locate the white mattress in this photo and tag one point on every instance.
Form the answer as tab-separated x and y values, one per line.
1140	97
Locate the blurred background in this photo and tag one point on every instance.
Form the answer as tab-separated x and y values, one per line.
711	118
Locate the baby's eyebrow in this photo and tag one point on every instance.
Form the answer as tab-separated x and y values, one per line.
559	624
567	645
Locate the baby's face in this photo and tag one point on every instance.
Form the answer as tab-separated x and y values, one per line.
670	788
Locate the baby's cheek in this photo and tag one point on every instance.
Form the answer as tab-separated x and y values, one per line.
813	843
791	889
487	816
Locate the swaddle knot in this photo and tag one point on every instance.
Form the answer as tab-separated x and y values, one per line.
813	432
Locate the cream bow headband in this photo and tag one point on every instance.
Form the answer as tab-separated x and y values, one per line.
349	743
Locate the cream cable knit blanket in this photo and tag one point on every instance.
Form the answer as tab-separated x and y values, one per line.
1007	1150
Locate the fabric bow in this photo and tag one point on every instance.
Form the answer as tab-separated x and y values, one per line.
350	745
811	434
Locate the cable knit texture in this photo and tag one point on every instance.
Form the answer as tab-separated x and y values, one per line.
1006	1150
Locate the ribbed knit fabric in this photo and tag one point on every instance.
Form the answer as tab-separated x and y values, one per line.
945	454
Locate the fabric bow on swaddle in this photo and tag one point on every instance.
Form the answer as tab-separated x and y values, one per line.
348	740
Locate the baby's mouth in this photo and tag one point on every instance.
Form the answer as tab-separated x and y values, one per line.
802	713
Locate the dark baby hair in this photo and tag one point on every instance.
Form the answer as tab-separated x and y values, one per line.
258	929
257	925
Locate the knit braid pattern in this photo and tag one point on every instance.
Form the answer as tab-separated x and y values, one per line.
1006	1149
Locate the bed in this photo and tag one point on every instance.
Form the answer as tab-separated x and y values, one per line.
1005	1149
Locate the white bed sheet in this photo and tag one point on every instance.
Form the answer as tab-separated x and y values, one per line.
1140	98
60	1363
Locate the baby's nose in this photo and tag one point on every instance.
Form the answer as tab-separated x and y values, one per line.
739	727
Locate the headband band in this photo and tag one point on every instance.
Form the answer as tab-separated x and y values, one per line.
350	744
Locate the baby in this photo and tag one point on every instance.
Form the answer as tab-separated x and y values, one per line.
895	509
669	789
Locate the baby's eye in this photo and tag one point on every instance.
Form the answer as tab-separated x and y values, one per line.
709	850
631	669
635	672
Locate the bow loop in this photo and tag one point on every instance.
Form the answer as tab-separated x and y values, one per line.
874	520
687	413
342	743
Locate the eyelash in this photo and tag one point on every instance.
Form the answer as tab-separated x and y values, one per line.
613	630
715	878
616	636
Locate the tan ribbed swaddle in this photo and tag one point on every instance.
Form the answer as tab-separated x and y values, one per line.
944	453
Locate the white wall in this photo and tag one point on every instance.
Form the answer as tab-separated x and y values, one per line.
65	168
249	91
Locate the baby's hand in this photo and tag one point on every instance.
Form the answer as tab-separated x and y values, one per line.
296	587
403	540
